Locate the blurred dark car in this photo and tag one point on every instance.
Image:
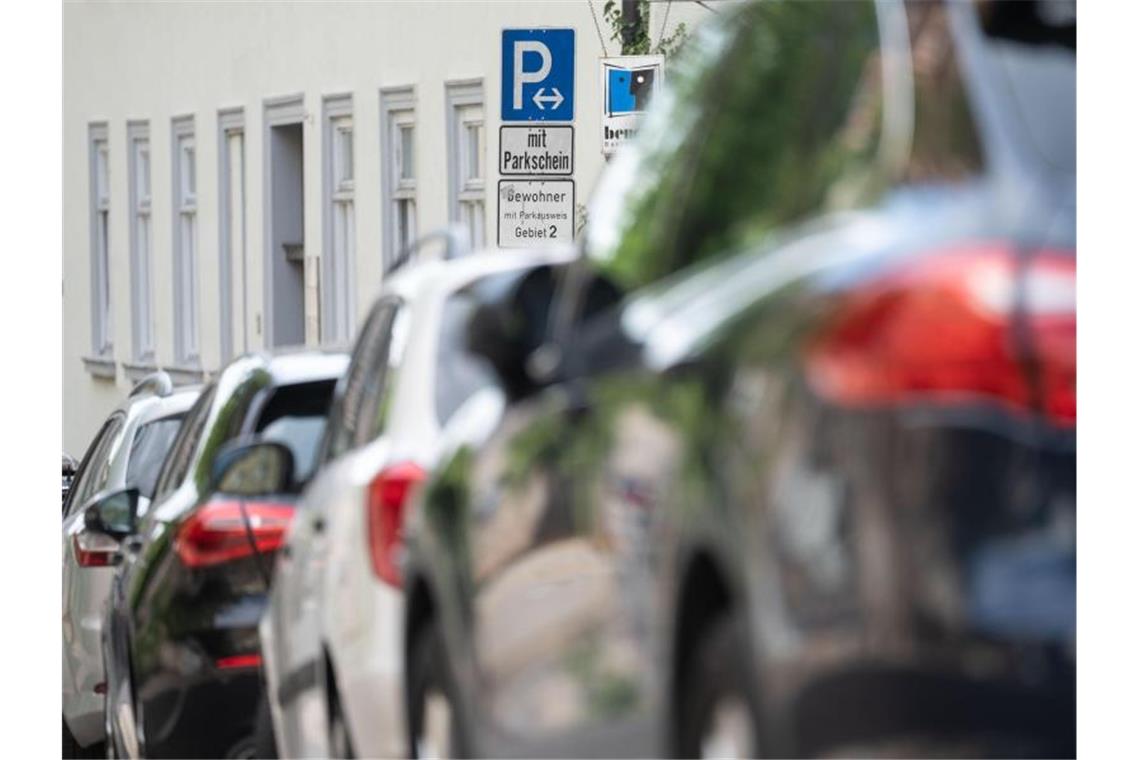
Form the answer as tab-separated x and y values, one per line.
69	468
180	641
787	460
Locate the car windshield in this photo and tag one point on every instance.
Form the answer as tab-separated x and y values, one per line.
149	448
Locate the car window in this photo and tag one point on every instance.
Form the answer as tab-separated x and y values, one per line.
95	469
149	448
295	416
342	434
458	372
177	463
777	118
380	383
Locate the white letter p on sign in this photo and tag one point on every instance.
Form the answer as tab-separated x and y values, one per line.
529	77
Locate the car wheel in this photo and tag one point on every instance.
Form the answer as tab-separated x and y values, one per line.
340	740
719	709
435	730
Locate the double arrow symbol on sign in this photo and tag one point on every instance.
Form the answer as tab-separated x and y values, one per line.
539	98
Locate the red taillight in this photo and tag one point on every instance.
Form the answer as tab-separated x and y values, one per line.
94	549
238	661
387	494
944	329
216	533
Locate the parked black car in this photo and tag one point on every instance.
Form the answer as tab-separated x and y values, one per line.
180	641
792	469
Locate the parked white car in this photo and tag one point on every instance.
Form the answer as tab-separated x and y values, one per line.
332	642
126	453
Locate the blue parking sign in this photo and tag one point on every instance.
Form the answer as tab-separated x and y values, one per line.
538	75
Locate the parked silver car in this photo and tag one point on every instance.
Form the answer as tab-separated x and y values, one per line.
127	452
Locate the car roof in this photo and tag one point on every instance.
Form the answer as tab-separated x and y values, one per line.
179	401
159	403
451	273
297	364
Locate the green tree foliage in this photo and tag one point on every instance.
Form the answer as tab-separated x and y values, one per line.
759	128
639	42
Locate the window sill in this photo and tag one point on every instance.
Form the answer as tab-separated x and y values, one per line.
185	374
136	371
100	366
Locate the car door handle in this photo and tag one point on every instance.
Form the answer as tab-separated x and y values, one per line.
318	525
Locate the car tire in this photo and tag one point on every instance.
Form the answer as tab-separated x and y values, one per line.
719	709
434	724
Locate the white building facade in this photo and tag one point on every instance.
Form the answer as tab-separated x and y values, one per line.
237	175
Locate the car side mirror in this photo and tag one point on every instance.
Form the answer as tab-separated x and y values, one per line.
510	327
252	469
492	333
112	513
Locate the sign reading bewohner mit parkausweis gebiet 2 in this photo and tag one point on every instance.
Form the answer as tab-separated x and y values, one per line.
536	152
535	211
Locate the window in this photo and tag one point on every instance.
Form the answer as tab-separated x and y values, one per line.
231	222
92	474
337	322
346	405
185	244
177	464
294	416
398	124
101	336
358	413
142	237
467	158
151	443
380	384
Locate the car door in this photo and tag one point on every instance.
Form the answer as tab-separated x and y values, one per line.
77	613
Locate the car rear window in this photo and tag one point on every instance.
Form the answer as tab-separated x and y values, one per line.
149	448
295	416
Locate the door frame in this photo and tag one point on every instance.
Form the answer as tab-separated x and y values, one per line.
279	111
